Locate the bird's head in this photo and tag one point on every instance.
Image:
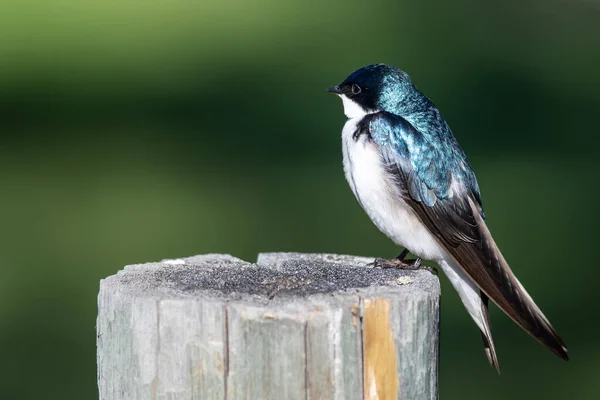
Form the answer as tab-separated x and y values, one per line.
377	87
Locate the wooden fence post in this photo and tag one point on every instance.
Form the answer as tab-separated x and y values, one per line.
292	326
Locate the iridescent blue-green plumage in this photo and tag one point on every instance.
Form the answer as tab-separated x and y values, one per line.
409	126
434	156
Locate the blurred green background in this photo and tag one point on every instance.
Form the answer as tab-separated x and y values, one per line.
139	130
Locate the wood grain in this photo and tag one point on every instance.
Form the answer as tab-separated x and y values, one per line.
292	326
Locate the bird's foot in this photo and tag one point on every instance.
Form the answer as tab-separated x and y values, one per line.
407	265
396	263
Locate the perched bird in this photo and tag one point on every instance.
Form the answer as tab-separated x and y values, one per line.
412	178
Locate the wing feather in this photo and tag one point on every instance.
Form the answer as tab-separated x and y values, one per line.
450	206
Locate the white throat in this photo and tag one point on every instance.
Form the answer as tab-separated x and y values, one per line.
352	109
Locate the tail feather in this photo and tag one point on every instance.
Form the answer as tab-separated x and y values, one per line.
488	340
512	298
476	303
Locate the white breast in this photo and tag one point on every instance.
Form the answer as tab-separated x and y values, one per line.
380	198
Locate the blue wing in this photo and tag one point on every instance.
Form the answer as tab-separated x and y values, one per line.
436	181
425	167
429	161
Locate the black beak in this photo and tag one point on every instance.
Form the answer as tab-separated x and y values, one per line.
335	90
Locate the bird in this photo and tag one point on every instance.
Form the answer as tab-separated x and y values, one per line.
412	178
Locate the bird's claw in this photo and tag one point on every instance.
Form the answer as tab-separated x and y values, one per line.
410	265
390	263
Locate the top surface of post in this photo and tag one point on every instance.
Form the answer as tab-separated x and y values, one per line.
274	275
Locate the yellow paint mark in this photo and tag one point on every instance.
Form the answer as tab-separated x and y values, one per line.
268	315
198	369
380	368
219	364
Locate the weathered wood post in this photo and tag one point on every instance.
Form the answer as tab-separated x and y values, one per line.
292	326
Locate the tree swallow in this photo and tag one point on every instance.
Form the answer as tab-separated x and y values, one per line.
412	178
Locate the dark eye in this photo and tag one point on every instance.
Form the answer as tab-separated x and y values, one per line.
356	89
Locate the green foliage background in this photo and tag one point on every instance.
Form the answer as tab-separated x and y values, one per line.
139	130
